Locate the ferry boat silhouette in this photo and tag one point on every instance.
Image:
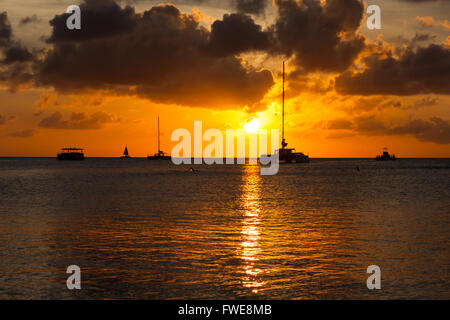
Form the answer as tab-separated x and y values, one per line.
386	156
71	154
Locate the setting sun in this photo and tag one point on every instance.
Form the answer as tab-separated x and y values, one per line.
252	126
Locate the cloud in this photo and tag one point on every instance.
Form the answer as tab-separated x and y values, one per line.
101	18
251	6
15	67
17	54
423	70
419	1
360	105
23	134
161	54
447	42
235	34
320	37
4	120
435	129
168	57
421	103
426	21
29	20
370	125
5	29
431	22
339	124
421	37
340	135
77	121
256	7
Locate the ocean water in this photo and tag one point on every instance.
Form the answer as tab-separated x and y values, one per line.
151	230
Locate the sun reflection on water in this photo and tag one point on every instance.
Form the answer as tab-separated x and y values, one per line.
251	234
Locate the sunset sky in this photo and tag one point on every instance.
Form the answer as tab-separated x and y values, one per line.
350	91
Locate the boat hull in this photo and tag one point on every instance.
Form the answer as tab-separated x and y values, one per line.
71	157
157	158
295	160
288	156
381	158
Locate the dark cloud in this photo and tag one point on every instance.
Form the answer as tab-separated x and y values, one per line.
165	57
424	70
17	54
435	129
251	6
370	125
356	105
339	124
23	134
235	34
77	121
371	103
28	20
16	75
321	37
5	29
420	37
4	120
256	7
420	1
15	67
99	18
341	135
424	102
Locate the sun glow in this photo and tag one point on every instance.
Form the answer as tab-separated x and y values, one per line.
252	126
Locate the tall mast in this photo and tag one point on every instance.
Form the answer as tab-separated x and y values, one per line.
283	107
159	147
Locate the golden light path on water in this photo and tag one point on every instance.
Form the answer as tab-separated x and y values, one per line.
251	234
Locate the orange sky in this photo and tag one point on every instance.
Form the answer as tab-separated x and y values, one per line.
320	121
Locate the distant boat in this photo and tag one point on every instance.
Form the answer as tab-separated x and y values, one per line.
71	154
285	154
160	155
386	156
126	155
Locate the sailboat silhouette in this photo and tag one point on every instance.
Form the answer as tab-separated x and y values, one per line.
160	155
126	155
288	155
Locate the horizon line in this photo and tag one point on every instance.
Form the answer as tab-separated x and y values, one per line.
246	158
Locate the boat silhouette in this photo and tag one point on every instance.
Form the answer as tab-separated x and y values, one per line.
126	154
386	156
160	155
74	154
288	155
